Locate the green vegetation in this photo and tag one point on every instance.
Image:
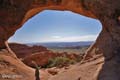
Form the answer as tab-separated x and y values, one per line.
70	50
60	62
65	61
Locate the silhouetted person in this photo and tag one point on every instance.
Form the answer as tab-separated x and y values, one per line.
79	78
37	73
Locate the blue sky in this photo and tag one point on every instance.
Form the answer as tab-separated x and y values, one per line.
57	26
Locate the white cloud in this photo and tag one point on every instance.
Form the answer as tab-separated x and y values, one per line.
64	39
71	39
78	38
56	37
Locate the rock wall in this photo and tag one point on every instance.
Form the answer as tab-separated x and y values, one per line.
14	13
23	50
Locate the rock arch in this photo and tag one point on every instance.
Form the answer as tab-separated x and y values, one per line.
14	13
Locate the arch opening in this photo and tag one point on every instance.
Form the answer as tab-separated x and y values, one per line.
59	31
61	19
15	13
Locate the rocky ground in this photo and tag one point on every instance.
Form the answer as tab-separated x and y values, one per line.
14	69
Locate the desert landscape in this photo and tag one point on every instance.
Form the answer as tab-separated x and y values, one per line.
99	61
16	70
45	57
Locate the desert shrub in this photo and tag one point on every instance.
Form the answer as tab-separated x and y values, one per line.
60	62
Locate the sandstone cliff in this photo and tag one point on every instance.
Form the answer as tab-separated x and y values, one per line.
22	50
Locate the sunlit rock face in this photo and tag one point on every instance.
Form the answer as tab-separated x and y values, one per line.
14	13
22	50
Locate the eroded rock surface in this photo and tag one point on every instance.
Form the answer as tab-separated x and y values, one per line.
13	14
23	50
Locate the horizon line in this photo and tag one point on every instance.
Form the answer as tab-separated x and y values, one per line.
50	42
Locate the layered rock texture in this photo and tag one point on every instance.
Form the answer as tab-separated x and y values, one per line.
14	13
22	50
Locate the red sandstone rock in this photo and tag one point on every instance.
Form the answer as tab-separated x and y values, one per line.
53	71
41	58
13	14
22	50
41	55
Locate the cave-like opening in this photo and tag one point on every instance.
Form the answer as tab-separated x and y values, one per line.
59	31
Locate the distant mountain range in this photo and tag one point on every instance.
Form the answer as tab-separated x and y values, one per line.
63	44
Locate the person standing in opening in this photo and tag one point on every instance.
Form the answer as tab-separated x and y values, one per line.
37	73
